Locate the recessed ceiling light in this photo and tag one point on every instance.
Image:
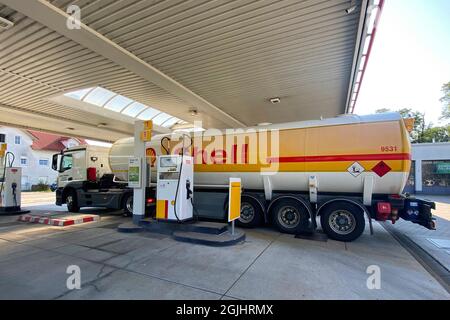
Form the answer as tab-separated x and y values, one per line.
264	124
352	7
350	10
5	24
101	125
70	128
275	100
193	112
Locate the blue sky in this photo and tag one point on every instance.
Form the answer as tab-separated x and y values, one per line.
410	58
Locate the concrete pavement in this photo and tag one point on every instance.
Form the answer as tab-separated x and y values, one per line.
435	243
268	265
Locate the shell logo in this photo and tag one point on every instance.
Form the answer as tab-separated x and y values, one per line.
151	156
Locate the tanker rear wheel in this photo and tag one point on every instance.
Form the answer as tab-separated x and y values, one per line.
342	221
251	213
290	216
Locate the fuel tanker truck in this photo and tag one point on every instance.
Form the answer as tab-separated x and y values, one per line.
347	170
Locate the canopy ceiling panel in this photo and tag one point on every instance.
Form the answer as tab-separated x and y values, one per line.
225	59
238	54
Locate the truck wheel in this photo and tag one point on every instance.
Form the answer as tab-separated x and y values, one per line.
342	221
127	205
72	201
251	213
290	216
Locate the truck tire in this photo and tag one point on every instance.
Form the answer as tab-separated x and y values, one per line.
72	201
127	205
290	216
342	221
251	213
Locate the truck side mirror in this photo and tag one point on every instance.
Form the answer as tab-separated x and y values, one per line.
55	162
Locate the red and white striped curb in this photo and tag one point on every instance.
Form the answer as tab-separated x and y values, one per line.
57	222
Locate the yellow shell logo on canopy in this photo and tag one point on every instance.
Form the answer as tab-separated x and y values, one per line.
146	135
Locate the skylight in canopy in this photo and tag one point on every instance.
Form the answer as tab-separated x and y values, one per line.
110	100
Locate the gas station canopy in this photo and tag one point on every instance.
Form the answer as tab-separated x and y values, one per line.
225	63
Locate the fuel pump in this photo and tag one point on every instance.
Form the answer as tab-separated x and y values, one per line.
10	181
175	182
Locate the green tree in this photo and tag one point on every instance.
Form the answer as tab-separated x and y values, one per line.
427	132
446	101
422	131
436	134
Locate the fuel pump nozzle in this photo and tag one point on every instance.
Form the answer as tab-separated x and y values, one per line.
14	187
189	191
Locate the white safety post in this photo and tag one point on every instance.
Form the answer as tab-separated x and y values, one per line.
418	175
139	193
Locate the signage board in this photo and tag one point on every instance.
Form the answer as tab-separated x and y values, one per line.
234	199
146	135
134	172
443	167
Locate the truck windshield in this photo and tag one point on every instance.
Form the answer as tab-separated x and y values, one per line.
66	162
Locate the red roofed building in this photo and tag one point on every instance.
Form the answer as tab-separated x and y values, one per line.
33	152
52	142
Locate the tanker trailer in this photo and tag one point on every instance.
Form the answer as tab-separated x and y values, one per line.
340	169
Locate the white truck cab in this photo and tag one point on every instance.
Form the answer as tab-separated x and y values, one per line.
85	180
73	163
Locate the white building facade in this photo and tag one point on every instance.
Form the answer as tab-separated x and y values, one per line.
430	169
34	161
